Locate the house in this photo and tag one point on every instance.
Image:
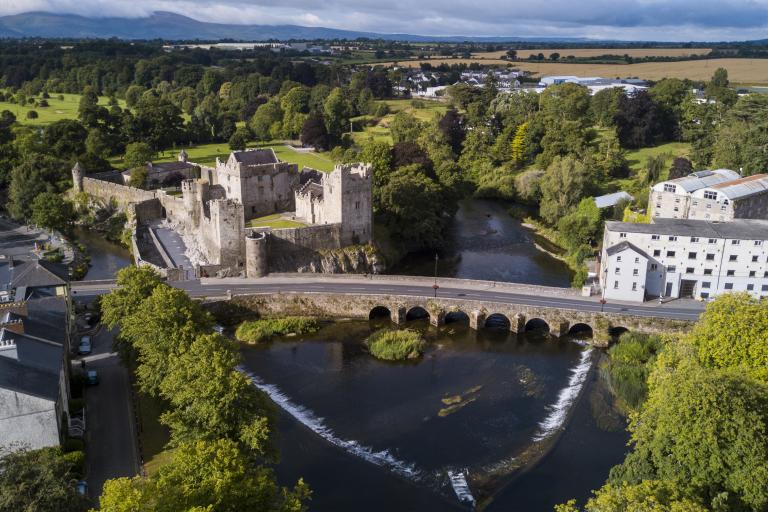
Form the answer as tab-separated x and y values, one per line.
719	195
34	345
684	258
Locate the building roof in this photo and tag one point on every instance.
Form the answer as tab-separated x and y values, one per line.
623	246
703	179
38	273
255	156
31	351
312	188
310	174
744	187
28	380
612	199
171	166
740	229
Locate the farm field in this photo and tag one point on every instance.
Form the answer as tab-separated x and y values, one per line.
596	52
57	110
740	71
206	154
380	131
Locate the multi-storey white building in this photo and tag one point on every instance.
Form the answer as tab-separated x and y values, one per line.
672	198
684	258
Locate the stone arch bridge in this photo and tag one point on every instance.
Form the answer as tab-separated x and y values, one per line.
478	314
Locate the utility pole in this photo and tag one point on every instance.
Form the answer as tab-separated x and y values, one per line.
435	286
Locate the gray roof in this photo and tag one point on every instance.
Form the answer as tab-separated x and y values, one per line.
31	351
703	179
171	166
38	273
741	229
255	156
28	380
623	246
310	174
744	187
612	199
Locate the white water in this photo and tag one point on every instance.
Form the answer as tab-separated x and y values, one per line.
317	425
559	410
461	487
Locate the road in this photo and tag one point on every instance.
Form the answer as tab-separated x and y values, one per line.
451	288
112	449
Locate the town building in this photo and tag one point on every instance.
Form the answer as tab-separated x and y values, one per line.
719	195
684	258
34	347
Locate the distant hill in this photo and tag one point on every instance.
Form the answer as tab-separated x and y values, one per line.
175	27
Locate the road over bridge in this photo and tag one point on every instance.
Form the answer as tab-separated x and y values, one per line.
518	307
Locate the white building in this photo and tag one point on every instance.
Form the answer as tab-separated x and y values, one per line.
672	198
681	258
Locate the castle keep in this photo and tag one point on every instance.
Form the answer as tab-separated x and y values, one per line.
221	215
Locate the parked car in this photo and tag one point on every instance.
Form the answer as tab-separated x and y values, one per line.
82	487
85	345
218	328
92	377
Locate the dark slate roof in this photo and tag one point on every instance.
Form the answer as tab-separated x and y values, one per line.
255	157
28	380
171	166
31	351
741	229
623	246
309	174
37	273
47	319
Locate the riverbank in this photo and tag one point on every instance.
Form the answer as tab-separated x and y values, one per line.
579	269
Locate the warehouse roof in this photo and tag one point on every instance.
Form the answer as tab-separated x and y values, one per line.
741	229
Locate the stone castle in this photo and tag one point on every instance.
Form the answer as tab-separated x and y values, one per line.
220	213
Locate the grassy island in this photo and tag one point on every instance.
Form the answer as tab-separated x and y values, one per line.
395	345
255	331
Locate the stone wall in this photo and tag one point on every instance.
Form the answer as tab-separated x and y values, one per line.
753	207
559	320
122	195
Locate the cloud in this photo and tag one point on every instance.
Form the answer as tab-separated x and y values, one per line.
620	19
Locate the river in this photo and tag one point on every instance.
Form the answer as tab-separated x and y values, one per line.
106	257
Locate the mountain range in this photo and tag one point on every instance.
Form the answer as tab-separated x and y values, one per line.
175	27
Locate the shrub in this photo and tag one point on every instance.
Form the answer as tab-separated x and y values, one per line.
32	115
629	365
256	331
77	460
395	345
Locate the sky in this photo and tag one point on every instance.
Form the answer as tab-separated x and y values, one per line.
665	20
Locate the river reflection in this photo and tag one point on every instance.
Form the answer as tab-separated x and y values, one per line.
476	402
107	258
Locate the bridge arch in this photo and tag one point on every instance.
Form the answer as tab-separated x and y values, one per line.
457	316
498	321
379	312
581	329
537	325
416	313
616	331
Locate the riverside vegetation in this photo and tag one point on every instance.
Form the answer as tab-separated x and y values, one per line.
256	331
397	345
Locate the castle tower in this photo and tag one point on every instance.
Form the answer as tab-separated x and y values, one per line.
191	198
347	200
77	178
256	264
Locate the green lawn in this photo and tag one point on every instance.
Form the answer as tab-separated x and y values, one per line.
206	154
636	159
274	221
380	131
154	436
57	110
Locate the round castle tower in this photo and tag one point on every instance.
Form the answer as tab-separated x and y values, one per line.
256	254
77	178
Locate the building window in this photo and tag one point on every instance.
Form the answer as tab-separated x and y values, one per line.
694	239
622	235
709	206
735	242
689	270
765	274
657	252
695	203
712	241
722	208
673	239
634	287
733	257
677	200
691	255
705	284
635	272
758	242
637	260
669	188
658	205
253	209
618	258
729	286
750	287
670	254
654	266
676	209
617	271
730	273
357	205
708	194
751	273
707	271
671	269
655	237
704	295
710	257
764	288
615	285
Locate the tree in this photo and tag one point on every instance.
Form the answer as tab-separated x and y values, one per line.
51	211
452	126
98	143
134	285
137	154
518	150
65	138
140	177
604	106
39	480
638	121
721	340
239	140
408	153
336	114
314	132
379	156
581	226
653	167
610	157
680	167
563	185
265	117
565	102
720	78
157	122
670	94
646	496
561	139
204	476
35	174
132	95
405	127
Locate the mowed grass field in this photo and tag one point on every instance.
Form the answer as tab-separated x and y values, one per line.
57	110
206	154
740	71
597	52
380	131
